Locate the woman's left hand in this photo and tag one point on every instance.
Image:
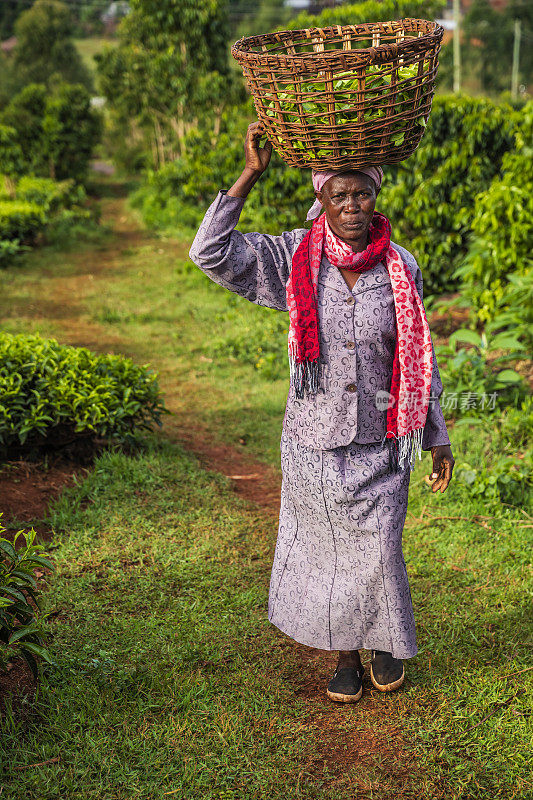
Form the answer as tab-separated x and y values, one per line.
443	462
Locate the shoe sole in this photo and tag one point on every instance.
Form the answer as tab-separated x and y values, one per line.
387	687
344	698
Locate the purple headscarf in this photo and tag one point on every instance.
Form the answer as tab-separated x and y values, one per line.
320	178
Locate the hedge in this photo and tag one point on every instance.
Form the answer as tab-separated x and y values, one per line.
33	206
20	220
430	198
497	273
368	11
47	388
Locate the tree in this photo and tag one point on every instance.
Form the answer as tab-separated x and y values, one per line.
266	17
490	34
8	16
11	158
25	114
44	46
169	72
55	130
70	131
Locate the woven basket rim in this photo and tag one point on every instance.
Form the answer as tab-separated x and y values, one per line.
242	49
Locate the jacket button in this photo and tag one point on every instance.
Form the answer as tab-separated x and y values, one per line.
351	388
350	345
350	300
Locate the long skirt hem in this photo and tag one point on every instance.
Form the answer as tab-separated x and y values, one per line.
362	644
339	580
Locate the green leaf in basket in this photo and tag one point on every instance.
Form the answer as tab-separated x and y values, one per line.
397	140
407	72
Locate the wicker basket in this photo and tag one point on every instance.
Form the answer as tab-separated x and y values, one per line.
346	96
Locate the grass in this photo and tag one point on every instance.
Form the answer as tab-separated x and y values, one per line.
158	629
91	46
169	677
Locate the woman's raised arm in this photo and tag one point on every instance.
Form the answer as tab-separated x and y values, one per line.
257	160
254	265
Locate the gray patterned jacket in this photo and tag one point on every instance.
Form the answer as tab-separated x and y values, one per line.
357	329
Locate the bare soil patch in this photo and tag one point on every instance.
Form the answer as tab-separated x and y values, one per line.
251	479
27	489
17	687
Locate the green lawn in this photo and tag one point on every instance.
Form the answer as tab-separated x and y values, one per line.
169	678
89	47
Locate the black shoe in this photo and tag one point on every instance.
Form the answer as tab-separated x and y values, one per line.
346	685
386	673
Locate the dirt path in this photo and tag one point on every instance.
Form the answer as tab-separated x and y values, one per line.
369	734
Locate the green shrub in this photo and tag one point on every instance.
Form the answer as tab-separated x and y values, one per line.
9	250
41	206
57	129
430	197
21	220
515	308
11	157
499	251
21	632
507	472
176	196
50	195
480	379
48	390
368	11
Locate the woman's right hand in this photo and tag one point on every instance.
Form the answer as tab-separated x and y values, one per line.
257	157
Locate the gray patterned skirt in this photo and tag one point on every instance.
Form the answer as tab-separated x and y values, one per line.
338	580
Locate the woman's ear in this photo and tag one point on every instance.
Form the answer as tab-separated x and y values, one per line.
318	196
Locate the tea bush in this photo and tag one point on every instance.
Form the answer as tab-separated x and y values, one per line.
507	472
50	195
49	390
21	631
56	130
480	379
499	255
33	206
430	197
20	221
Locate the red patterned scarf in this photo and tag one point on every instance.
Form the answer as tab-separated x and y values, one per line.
413	357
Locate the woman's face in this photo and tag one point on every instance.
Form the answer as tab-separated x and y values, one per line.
349	201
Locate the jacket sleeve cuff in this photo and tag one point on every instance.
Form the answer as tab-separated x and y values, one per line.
435	431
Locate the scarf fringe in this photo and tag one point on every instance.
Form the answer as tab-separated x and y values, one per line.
405	448
304	376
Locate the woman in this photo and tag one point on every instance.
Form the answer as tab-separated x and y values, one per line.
363	400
